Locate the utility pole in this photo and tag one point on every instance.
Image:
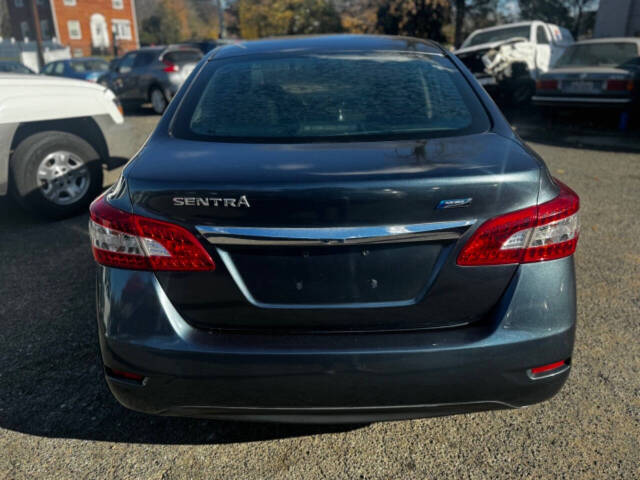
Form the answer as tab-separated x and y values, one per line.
222	33
36	22
461	6
114	39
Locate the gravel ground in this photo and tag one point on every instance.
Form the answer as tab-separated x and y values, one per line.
58	419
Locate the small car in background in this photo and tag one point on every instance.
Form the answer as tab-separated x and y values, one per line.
89	69
508	59
594	73
151	74
54	135
9	66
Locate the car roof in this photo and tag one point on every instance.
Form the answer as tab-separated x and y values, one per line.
83	59
610	40
527	23
326	43
26	81
162	48
155	48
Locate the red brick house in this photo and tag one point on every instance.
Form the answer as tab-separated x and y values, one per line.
88	27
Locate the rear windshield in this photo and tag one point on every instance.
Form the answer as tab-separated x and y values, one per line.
329	96
183	56
598	54
499	35
81	66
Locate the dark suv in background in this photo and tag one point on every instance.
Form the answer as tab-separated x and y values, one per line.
151	74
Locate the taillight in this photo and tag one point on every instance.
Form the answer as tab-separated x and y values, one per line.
547	84
543	232
170	67
619	85
124	240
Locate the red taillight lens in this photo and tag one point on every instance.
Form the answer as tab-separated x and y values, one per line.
544	232
124	240
619	85
170	67
547	85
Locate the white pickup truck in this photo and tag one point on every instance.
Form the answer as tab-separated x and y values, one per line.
52	141
508	59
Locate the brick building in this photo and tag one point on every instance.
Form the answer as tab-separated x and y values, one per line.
88	27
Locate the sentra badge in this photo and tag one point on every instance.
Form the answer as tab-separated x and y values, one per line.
239	202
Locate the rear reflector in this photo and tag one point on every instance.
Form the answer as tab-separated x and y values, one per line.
548	368
122	374
547	84
124	240
544	232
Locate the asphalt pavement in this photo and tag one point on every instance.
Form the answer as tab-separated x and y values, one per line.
58	419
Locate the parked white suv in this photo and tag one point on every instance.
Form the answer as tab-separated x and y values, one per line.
52	141
509	58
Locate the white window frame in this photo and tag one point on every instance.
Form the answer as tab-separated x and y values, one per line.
117	4
69	29
44	29
118	23
25	29
69	3
18	3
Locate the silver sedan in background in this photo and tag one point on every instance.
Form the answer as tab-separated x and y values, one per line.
593	73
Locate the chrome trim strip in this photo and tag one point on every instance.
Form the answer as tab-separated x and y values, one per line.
334	235
538	98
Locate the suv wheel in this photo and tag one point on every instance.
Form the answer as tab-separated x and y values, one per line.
158	101
56	174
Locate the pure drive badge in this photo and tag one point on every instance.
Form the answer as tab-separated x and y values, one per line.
240	202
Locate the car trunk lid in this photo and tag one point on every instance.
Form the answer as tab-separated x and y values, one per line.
322	236
590	80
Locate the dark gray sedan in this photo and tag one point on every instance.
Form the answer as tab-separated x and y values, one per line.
594	73
334	229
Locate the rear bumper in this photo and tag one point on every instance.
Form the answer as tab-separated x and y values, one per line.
597	102
336	377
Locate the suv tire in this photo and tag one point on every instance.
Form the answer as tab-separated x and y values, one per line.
55	174
158	100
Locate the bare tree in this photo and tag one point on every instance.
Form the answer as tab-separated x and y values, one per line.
461	7
579	8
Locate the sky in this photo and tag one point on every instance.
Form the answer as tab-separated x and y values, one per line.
509	7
